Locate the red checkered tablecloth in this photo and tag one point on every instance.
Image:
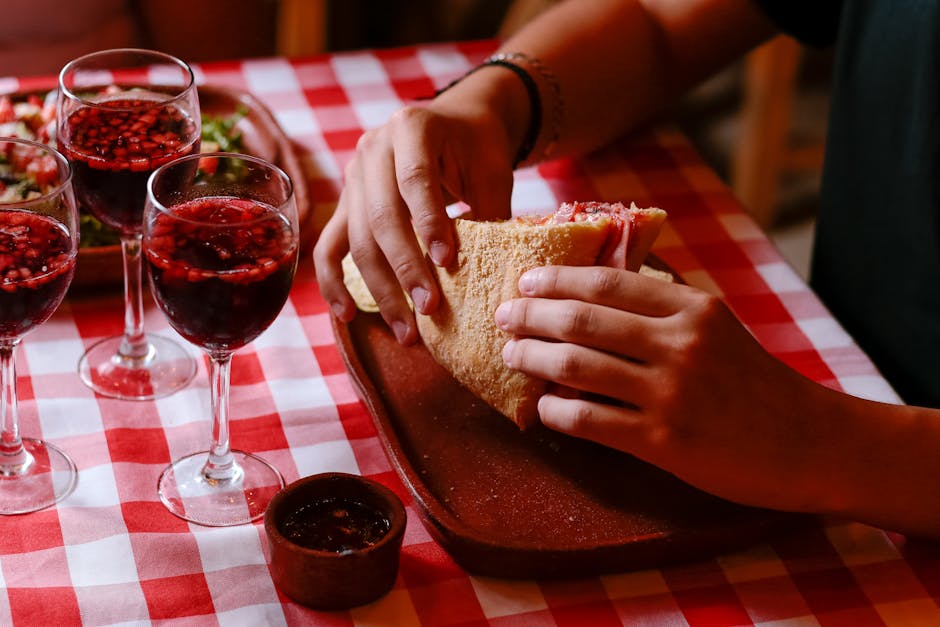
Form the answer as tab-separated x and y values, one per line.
110	553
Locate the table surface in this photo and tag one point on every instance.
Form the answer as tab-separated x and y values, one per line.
110	553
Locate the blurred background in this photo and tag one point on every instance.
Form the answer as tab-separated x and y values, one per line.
760	123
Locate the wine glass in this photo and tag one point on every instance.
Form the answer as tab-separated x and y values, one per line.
121	114
38	249
220	247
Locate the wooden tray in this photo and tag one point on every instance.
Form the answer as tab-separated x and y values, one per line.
101	266
528	505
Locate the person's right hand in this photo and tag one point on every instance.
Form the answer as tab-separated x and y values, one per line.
397	185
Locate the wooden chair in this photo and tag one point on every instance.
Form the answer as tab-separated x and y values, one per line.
301	27
764	152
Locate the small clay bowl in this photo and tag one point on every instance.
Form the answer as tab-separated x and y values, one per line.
358	526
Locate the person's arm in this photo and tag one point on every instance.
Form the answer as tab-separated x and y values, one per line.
620	62
616	62
684	386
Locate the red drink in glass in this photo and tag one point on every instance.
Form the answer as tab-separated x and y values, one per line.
221	269
220	242
114	147
121	114
37	260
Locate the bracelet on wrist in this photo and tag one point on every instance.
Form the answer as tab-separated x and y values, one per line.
516	62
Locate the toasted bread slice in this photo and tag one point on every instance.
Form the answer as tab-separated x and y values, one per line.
462	334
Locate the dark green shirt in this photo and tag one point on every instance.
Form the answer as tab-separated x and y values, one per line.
876	258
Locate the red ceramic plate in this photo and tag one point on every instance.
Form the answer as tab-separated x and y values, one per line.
528	505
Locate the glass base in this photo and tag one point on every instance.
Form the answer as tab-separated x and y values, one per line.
189	494
48	476
165	368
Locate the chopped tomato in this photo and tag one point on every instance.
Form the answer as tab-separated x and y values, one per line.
6	110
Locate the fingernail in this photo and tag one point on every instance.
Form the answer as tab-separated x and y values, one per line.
508	350
439	252
339	310
420	297
400	329
501	315
528	281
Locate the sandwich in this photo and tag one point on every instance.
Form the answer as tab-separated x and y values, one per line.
462	335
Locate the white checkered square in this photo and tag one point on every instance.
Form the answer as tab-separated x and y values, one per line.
298	121
504	598
65	417
96	487
300	394
49	357
442	63
189	405
358	69
102	562
741	227
285	331
377	113
781	278
334	456
825	333
270	614
532	196
228	547
871	387
267	76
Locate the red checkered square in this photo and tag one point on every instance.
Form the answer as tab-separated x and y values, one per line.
426	564
143	446
598	613
246	369
831	590
151	517
44	606
758	308
261	433
888	582
342	140
178	597
331	95
39	531
448	602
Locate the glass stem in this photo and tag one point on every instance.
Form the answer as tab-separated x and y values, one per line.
220	466
134	345
14	458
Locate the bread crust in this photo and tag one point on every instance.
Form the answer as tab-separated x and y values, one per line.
462	334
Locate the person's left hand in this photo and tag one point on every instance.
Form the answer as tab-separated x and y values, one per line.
667	373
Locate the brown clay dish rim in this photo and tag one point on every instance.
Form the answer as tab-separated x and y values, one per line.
365	345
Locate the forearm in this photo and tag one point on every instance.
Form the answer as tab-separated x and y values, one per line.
885	466
619	62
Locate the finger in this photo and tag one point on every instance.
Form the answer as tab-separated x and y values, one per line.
578	367
485	184
418	178
619	427
389	225
621	289
328	254
374	268
604	328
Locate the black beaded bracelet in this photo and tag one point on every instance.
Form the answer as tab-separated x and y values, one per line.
531	136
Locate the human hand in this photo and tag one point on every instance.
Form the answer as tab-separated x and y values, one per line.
667	373
395	188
